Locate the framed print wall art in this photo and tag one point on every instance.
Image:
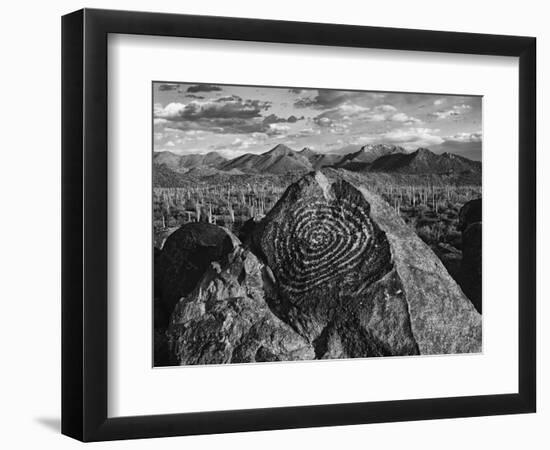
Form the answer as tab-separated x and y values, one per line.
274	224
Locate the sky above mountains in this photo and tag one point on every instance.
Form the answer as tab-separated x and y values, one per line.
233	120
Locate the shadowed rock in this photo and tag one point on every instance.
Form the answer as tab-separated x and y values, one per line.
470	269
185	256
226	319
350	276
469	213
160	237
248	228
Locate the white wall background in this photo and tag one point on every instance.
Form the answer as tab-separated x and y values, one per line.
30	225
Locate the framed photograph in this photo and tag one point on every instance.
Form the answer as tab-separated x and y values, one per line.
273	224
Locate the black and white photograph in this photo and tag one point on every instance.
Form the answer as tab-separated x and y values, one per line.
304	224
275	225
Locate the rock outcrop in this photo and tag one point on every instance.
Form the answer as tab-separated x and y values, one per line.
185	257
352	278
470	268
227	320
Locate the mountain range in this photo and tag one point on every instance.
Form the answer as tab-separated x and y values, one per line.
279	160
425	161
185	163
282	159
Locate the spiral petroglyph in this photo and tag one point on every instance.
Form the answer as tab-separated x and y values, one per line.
328	242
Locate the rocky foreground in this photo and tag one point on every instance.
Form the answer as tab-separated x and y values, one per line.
331	272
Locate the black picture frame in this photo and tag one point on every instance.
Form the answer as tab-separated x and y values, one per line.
84	224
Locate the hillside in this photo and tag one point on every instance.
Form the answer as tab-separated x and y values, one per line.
279	160
319	160
367	154
424	161
163	176
184	163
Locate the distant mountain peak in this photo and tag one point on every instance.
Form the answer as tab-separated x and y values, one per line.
280	150
383	148
424	151
367	154
306	151
186	162
279	160
423	160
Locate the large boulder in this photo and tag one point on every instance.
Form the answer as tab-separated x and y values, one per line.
185	256
470	268
160	236
226	319
352	278
469	213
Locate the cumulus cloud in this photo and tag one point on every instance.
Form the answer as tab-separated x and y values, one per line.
169	87
326	99
408	138
273	118
229	98
385	108
439	101
196	110
456	110
241	144
232	115
336	116
168	111
425	136
278	128
376	117
402	117
465	137
306	132
347	112
323	121
203	88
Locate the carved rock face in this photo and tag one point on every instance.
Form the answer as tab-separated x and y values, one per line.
324	243
323	249
355	280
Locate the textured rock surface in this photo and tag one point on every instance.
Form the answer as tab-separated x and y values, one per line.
226	319
185	256
350	276
470	269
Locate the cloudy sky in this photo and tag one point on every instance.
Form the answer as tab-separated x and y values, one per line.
199	118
